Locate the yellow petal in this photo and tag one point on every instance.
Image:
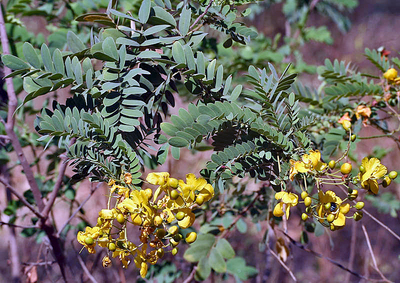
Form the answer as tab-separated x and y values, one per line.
287	211
340	221
280	195
345	208
301	167
278	212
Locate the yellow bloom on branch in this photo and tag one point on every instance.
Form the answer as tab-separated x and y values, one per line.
88	238
390	74
363	111
345	120
374	170
195	187
330	204
289	199
308	162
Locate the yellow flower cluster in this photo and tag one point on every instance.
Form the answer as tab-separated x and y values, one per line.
154	214
391	75
326	206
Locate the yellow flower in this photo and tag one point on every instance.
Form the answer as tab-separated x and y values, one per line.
108	214
160	179
336	208
293	170
193	187
390	74
88	238
311	161
289	199
345	120
106	262
374	170
188	219
128	178
363	111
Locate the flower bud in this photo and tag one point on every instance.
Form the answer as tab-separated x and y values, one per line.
358	215
191	237
307	201
360	205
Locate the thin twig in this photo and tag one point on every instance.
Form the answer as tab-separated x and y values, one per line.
21	198
352	249
82	263
241	214
328	259
375	219
77	210
190	278
12	239
383	225
16	225
372	254
202	15
282	263
9	126
57	187
39	263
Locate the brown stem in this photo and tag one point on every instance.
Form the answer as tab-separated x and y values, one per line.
77	210
57	187
21	198
202	15
9	126
16	225
301	246
242	213
372	254
13	245
82	263
352	249
282	263
190	278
